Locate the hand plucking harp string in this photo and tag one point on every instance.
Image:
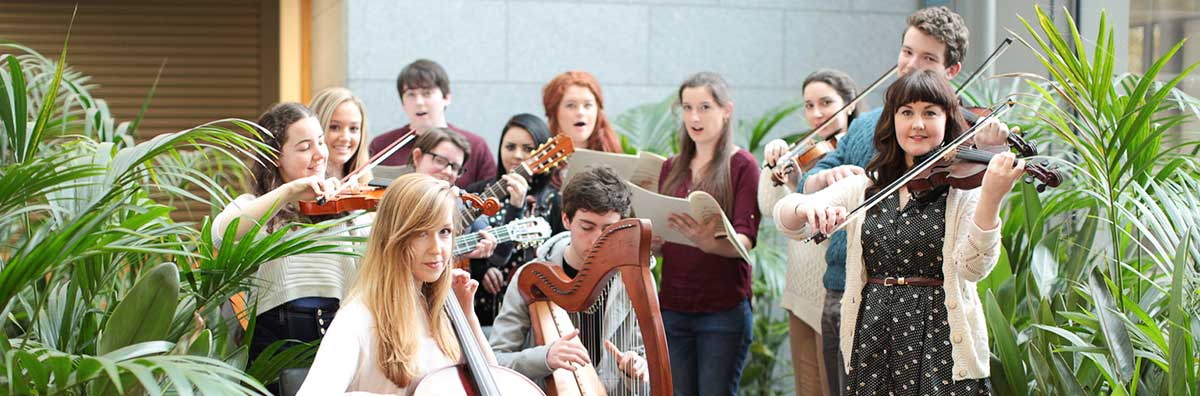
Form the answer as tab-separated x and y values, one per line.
629	362
567	353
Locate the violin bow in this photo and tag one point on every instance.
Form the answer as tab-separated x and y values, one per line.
794	150
376	160
930	160
1003	46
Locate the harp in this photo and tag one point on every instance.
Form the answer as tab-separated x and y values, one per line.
623	248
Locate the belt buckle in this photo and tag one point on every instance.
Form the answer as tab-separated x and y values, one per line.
894	281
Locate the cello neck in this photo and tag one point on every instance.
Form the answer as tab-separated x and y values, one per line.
481	376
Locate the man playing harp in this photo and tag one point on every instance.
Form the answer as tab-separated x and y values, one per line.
606	334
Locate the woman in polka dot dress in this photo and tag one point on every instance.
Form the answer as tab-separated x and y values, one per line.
912	322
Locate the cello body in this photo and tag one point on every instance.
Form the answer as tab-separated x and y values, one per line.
456	380
477	376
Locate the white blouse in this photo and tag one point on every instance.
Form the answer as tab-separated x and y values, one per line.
347	360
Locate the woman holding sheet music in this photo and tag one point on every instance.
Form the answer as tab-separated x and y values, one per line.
705	294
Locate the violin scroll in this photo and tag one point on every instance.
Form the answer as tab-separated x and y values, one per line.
489	206
1043	173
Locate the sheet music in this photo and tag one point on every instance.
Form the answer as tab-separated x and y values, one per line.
642	169
658	208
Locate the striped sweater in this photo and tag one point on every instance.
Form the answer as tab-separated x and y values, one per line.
306	275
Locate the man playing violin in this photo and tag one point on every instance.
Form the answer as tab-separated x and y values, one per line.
593	200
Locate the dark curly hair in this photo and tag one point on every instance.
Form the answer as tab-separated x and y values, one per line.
944	25
267	177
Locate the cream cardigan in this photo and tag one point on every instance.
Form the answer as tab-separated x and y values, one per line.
803	292
970	255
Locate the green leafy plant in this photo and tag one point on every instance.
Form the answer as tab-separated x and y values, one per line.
1091	292
101	292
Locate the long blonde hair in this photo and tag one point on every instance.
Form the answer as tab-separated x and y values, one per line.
413	203
324	103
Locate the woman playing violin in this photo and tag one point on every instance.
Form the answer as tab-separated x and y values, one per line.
393	328
825	91
912	324
295	297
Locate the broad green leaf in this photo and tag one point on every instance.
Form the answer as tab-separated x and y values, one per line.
145	313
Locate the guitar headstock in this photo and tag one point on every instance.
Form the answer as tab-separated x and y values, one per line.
529	230
550	154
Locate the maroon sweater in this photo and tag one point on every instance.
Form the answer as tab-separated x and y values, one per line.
480	165
694	281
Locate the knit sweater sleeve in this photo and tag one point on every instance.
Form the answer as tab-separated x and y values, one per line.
839	194
979	254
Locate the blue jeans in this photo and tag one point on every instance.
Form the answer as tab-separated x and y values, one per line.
708	350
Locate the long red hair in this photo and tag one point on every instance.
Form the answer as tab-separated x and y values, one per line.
603	138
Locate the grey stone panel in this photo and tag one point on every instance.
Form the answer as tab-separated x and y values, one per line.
902	6
483	108
791	4
862	45
467	38
744	46
546	39
383	104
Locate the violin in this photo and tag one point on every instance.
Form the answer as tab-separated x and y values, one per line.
808	150
928	166
966	169
805	154
488	206
363	200
476	376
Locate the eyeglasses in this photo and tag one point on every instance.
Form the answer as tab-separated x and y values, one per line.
443	162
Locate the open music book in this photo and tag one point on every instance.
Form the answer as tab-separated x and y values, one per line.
642	169
658	208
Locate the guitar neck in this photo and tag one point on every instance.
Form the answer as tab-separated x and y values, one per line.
464	244
497	190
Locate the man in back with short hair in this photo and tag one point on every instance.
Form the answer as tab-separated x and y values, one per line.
424	91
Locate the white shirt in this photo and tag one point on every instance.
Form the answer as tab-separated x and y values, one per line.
347	360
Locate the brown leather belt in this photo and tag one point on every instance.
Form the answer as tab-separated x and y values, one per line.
906	281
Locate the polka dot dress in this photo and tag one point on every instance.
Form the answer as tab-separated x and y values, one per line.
902	338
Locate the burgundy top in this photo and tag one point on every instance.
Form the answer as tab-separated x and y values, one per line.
694	281
480	165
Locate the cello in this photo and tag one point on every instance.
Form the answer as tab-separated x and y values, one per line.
623	249
476	377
